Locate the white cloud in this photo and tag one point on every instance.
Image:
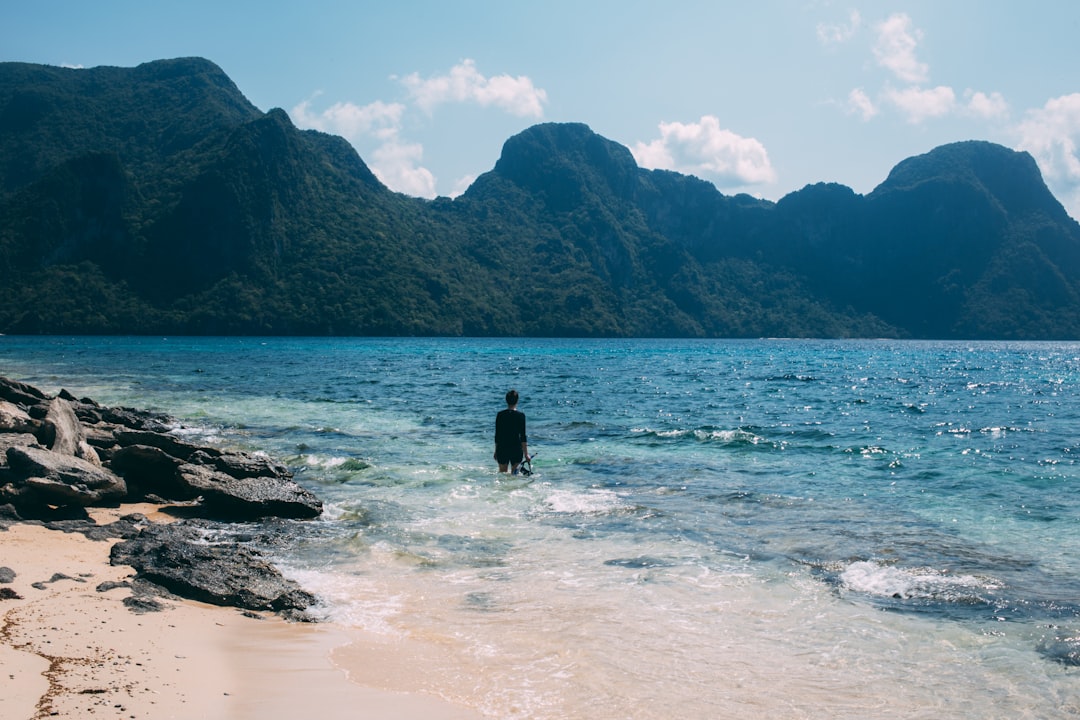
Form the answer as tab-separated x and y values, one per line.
464	83
986	106
895	49
908	90
462	184
397	165
395	162
839	33
708	151
919	104
378	119
1052	135
860	104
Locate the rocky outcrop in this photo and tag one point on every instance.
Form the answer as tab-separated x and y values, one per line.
20	393
44	477
60	455
64	451
179	558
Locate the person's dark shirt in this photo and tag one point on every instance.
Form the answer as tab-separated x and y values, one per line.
510	429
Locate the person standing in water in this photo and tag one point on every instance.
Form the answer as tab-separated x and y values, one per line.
511	444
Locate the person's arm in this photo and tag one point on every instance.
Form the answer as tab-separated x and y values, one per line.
524	440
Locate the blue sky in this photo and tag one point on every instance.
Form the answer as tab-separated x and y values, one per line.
757	97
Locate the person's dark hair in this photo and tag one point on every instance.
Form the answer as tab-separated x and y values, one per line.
511	398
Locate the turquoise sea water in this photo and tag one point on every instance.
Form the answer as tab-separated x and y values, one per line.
714	529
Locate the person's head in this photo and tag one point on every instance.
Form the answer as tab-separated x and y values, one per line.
511	398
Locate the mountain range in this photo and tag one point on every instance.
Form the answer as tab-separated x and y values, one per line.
159	200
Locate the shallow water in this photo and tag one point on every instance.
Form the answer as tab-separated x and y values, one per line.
714	528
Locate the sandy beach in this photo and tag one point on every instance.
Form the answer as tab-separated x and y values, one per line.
71	648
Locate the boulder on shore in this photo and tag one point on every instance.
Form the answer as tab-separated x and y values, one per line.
14	419
249	497
135	459
44	477
178	558
64	434
247	488
20	393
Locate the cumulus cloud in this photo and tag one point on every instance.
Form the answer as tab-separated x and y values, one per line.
394	161
462	184
919	103
990	106
378	119
708	151
859	103
830	34
397	165
464	83
895	49
1052	135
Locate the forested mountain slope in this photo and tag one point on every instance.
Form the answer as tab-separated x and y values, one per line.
157	199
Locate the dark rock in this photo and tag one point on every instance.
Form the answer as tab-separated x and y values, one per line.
162	441
9	594
241	465
127	527
150	470
9	515
15	493
178	558
7	575
69	524
140	605
20	393
250	498
255	488
91	413
57	577
112	585
101	436
130	418
55	479
9	440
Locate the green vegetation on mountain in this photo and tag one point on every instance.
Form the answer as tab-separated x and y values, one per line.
157	199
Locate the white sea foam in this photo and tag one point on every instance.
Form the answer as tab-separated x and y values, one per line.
737	435
349	599
891	581
592	502
198	435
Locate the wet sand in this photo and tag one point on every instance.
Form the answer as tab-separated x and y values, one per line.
69	649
